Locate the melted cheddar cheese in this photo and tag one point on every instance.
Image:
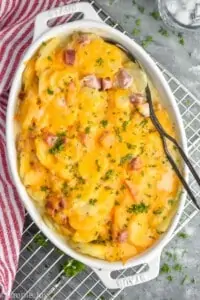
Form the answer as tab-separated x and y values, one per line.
89	157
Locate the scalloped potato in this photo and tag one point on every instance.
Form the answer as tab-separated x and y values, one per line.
88	153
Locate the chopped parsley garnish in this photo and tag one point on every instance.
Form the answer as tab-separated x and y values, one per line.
183	235
65	189
130	146
171	201
125	124
40	240
138	208
90	294
138	22
108	174
165	268
158	211
104	123
148	40
49	58
99	61
143	123
87	129
117	132
163	31
141	9
136	31
170	278
126	158
181	41
98	165
50	92
44	188
72	267
156	15
177	268
92	201
59	143
44	43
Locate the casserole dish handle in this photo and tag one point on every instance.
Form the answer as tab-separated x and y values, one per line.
41	21
121	283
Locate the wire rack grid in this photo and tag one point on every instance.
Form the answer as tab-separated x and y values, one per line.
40	275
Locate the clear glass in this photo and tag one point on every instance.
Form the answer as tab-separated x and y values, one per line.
180	14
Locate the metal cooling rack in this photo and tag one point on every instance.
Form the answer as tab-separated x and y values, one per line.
39	274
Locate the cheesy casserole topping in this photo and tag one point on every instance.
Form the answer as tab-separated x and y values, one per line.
88	153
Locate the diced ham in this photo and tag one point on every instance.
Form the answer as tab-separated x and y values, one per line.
92	81
49	138
123	79
69	56
106	83
21	95
135	164
144	109
123	236
107	139
55	205
84	39
83	138
137	98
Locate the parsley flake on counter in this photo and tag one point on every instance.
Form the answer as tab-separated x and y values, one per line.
169	278
138	208
72	267
182	235
177	268
155	14
40	240
137	22
104	123
147	41
92	201
182	41
126	158
165	268
141	9
163	32
50	92
136	31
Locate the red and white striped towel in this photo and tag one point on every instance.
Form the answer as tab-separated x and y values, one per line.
16	31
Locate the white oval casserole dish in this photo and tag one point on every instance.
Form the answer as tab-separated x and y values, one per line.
92	23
